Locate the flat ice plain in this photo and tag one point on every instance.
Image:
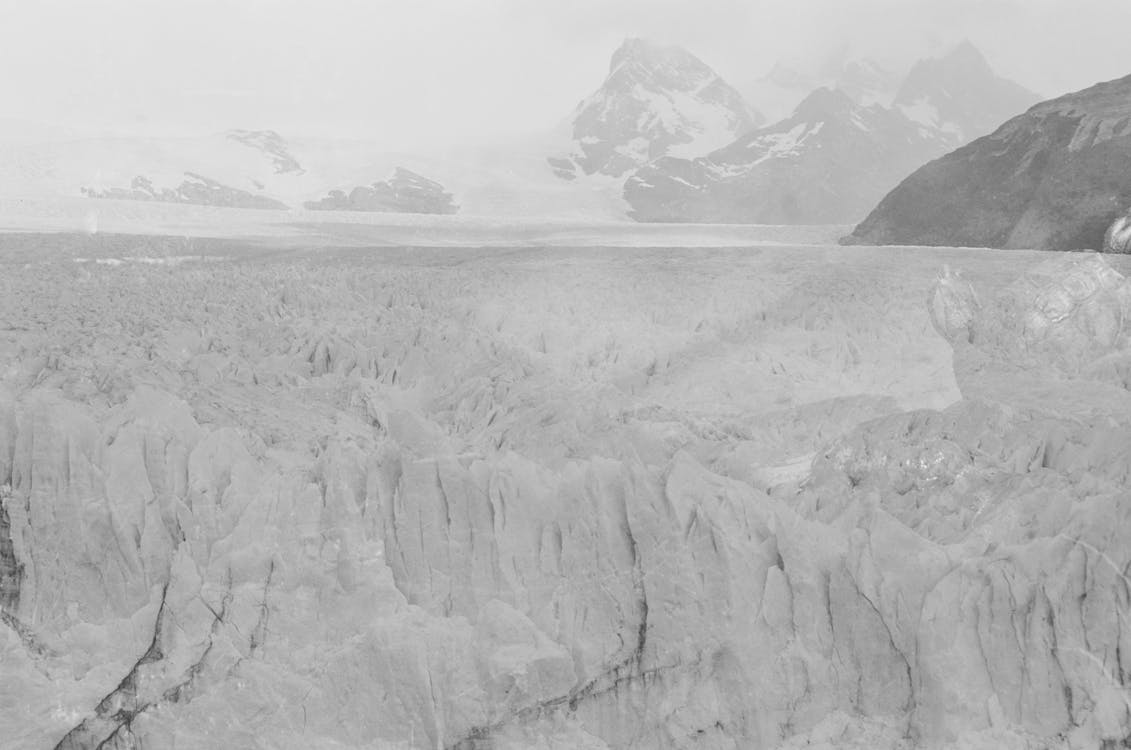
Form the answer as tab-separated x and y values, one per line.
455	483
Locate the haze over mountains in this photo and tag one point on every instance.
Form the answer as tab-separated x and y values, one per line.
838	153
663	138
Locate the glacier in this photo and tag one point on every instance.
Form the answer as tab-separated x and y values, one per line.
775	495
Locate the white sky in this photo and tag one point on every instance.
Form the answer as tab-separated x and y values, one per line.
426	73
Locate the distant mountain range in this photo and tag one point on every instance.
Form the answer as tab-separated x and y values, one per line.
1054	177
663	138
838	153
264	169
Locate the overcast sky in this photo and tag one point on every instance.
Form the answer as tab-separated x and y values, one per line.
418	73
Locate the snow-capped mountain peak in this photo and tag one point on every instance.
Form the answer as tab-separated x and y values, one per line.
959	96
657	100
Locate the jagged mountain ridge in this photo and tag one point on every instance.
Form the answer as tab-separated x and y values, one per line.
1053	178
506	179
781	174
834	157
959	97
656	100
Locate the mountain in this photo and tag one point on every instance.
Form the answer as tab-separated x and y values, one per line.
827	163
404	192
836	155
778	93
657	100
1052	178
867	82
958	97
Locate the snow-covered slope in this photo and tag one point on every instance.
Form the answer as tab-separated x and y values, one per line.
404	192
256	163
657	100
864	80
838	153
262	167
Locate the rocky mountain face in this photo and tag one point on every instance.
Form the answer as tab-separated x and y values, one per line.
958	97
1117	239
657	100
1055	177
836	155
827	163
194	189
404	192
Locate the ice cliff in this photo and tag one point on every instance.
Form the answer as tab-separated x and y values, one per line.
361	512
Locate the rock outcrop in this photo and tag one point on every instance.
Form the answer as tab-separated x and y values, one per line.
404	192
958	97
1054	178
195	189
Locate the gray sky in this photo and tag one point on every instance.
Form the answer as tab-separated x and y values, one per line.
415	73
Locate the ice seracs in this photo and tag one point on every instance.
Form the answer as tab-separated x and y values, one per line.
1065	319
333	501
